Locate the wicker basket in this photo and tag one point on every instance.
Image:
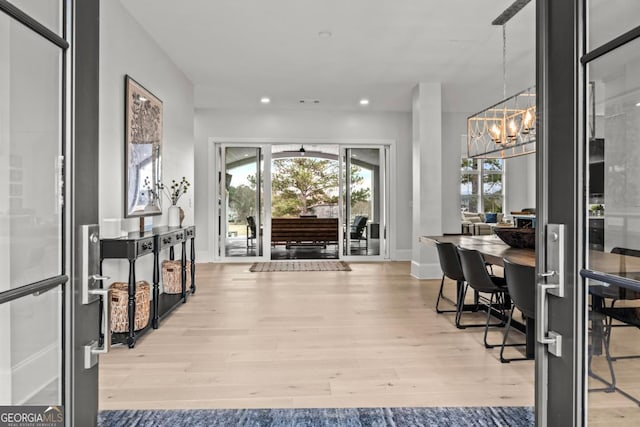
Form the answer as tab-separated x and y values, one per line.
120	306
172	276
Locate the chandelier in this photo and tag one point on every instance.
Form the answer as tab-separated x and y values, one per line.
506	129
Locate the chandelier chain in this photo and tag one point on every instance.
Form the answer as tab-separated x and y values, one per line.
504	61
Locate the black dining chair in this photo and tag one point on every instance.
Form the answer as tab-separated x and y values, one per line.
478	278
451	268
521	283
615	294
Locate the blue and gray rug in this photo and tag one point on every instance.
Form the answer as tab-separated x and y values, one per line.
356	417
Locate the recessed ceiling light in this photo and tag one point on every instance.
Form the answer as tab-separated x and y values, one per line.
265	100
325	34
638	104
364	101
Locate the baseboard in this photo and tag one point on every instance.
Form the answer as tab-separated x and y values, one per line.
425	271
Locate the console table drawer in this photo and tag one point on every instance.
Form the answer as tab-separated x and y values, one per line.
144	246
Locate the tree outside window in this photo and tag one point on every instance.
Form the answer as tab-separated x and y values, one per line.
481	185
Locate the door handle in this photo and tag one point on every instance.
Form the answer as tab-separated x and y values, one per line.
549	338
555	249
92	350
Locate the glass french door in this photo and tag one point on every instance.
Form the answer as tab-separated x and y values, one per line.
363	187
588	310
611	211
241	207
34	251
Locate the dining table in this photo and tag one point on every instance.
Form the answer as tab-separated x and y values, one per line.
494	250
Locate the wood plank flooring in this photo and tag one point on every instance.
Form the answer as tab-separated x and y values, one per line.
365	338
368	337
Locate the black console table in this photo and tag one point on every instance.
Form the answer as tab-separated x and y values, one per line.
136	245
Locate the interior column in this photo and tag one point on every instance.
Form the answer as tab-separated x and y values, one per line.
427	200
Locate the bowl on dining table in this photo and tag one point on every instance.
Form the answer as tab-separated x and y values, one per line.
517	237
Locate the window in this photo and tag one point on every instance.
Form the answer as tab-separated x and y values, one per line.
481	185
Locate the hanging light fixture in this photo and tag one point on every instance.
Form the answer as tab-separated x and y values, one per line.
506	129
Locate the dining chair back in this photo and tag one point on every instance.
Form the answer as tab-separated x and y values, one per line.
475	272
451	268
521	283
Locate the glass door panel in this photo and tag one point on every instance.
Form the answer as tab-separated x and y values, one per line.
31	354
612	234
242	210
363	201
32	246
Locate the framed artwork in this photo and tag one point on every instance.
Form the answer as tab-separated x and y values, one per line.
143	151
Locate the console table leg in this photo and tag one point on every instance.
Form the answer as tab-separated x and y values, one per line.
193	265
156	288
183	271
131	339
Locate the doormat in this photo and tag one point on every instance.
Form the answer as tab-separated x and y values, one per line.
259	267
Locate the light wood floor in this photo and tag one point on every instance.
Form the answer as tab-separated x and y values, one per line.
369	337
365	338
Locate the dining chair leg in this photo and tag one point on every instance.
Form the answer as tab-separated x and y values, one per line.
459	324
441	296
504	340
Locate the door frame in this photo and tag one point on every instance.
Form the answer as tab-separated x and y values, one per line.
214	169
559	81
83	195
384	185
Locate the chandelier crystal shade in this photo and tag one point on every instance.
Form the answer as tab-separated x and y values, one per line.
506	129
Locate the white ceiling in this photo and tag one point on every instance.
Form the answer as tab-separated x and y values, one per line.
236	51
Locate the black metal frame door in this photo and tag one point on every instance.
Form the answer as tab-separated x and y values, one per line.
559	388
83	205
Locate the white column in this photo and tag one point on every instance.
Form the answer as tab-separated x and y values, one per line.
427	199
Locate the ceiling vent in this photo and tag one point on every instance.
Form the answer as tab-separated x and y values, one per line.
309	101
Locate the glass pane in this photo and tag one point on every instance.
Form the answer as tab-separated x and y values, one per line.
243	173
364	198
612	233
492	192
30	145
30	354
609	19
46	12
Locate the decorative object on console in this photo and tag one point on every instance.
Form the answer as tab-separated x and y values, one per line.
143	147
177	189
517	237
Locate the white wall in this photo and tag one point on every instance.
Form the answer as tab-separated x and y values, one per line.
270	124
520	183
125	48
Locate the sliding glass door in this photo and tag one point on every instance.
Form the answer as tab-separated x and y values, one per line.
363	199
330	201
241	202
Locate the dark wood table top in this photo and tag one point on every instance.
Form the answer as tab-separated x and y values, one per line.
494	250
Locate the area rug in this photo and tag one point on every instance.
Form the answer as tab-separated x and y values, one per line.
350	417
300	266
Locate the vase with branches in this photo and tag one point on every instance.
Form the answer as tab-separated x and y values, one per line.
176	190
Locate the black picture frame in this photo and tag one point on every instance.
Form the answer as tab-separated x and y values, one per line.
143	151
